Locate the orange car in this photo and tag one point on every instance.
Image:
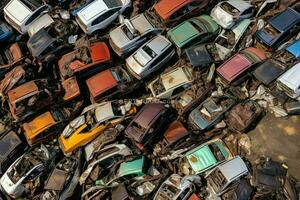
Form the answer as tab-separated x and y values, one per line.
44	126
85	61
93	120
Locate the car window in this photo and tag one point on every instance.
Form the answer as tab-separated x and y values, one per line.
161	57
248	11
35	15
229	8
105	16
180	12
177	90
32	4
195	3
113	3
110	161
184	193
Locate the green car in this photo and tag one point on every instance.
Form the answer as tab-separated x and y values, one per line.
193	31
205	157
127	170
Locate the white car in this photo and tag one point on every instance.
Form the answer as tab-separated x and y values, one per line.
289	82
21	14
171	84
228	13
100	13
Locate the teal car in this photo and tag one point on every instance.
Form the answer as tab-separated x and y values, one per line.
193	31
204	157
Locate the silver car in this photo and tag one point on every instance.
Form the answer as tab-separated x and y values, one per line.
131	34
227	13
150	57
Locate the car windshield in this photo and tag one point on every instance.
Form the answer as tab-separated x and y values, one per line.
167	192
144	55
216	180
272	31
120	75
216	151
196	26
113	3
229	8
128	32
32	4
158	87
110	176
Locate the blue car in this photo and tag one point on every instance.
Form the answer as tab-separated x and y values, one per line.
6	32
279	29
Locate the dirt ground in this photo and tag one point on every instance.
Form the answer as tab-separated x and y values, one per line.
278	138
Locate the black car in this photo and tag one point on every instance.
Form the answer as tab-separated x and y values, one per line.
279	29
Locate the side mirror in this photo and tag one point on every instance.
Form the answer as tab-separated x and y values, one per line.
121	19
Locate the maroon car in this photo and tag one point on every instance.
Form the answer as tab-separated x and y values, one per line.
148	124
235	66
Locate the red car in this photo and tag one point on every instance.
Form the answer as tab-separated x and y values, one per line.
234	67
172	12
111	83
85	61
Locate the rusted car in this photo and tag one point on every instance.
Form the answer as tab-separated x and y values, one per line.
171	13
44	127
148	124
210	112
63	179
29	98
175	137
11	148
244	116
11	78
112	83
234	67
85	61
11	57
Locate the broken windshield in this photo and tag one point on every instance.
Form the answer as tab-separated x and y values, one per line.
229	8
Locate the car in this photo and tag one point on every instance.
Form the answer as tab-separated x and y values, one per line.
176	188
85	60
224	175
12	56
63	179
281	60
12	78
171	84
105	158
28	98
228	13
204	157
132	33
175	137
44	126
99	14
232	70
210	112
111	83
240	191
93	120
279	29
289	82
193	31
20	14
171	13
150	57
148	124
6	32
28	169
13	147
45	48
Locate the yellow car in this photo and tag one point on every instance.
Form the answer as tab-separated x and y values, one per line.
93	120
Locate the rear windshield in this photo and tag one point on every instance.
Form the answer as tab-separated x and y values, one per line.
229	8
113	3
32	4
272	31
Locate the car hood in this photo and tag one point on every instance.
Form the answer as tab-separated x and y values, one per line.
183	33
198	56
221	17
118	37
201	159
18	11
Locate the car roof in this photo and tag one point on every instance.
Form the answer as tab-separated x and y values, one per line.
285	19
239	4
148	113
8	143
38	125
92	10
174	78
165	8
22	90
39	42
294	48
101	82
290	77
158	44
141	23
104	112
233	168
